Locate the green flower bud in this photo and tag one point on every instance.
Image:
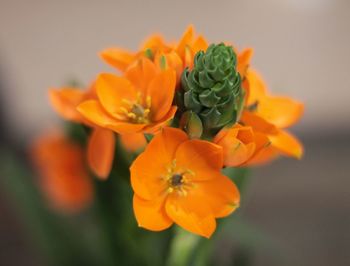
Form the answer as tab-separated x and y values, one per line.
212	89
192	124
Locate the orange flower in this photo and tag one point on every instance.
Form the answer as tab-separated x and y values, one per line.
270	115
178	55
63	177
240	144
101	144
179	180
141	101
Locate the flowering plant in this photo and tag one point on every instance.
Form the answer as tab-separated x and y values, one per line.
168	134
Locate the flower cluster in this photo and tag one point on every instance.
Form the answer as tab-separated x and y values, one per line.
194	108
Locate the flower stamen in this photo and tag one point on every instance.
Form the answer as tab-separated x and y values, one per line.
178	180
137	112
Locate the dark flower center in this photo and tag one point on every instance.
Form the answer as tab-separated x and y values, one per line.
176	180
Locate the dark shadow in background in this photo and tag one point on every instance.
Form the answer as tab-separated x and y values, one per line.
15	244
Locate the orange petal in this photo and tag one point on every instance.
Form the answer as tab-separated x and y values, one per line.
263	156
238	144
201	157
190	213
94	112
101	152
200	44
63	176
280	111
287	144
154	128
66	191
220	193
141	74
261	141
173	61
257	123
188	57
118	58
112	91
133	142
257	87
161	90
65	102
153	42
244	60
151	165
150	214
264	152
185	40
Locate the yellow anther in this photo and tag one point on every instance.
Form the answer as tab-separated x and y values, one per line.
127	102
136	112
182	192
131	115
124	110
139	97
148	101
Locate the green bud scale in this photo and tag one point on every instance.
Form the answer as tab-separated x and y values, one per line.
212	89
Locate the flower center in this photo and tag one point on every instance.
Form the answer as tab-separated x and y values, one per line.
178	180
137	112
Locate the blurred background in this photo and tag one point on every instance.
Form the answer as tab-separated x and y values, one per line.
302	50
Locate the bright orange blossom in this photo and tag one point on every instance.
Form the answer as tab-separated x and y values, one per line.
139	102
179	180
101	143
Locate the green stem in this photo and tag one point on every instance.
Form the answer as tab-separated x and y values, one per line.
106	225
182	247
113	210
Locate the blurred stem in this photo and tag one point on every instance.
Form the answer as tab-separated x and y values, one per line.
182	247
113	211
105	221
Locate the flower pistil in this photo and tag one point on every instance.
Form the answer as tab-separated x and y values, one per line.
178	181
